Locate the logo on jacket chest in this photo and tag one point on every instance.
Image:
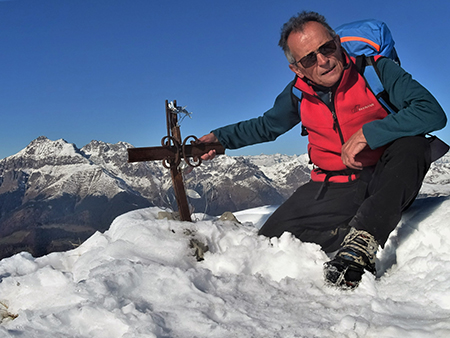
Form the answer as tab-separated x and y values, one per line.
358	108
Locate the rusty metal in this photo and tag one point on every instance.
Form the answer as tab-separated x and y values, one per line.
185	151
175	172
171	152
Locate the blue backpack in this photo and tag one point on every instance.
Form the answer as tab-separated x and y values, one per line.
369	38
363	40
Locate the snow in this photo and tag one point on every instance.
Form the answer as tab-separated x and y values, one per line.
275	165
140	279
43	147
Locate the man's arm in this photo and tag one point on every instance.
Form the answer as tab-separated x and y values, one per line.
419	112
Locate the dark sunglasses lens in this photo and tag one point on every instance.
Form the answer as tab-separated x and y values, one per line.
309	60
326	49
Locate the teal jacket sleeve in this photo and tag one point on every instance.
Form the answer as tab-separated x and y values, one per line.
419	112
282	117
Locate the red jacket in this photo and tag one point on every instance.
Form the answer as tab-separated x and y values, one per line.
354	105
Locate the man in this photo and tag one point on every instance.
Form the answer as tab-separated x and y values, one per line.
369	166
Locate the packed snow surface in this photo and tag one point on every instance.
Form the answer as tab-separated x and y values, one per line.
140	279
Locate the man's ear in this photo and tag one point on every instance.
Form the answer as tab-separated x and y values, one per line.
296	70
338	40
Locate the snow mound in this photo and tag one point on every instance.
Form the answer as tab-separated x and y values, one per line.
141	279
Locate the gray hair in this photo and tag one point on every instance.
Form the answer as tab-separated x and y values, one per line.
296	24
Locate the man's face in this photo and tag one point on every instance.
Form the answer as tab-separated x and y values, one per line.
328	69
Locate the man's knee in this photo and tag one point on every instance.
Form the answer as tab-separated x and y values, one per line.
410	148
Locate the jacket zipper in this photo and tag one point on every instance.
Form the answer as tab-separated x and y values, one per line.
336	122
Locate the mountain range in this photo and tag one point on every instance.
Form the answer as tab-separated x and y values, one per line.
54	195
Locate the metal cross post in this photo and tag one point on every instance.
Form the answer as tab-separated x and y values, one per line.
171	151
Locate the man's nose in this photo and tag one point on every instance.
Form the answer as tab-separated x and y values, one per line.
321	59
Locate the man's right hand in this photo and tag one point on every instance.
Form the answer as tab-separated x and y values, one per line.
354	145
208	138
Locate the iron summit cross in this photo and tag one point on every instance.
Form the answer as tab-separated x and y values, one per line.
171	151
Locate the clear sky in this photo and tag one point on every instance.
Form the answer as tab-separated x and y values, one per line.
87	70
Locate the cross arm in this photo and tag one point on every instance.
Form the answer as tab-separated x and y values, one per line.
170	152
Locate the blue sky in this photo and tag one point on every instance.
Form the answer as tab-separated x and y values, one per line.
87	70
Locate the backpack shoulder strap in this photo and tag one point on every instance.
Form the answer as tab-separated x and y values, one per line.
366	66
297	96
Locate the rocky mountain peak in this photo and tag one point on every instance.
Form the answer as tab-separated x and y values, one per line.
42	151
106	154
101	147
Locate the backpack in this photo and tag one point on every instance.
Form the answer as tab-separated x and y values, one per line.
369	38
364	40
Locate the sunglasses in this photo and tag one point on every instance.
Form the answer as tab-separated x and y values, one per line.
310	60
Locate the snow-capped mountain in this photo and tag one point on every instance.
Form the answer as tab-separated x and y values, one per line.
54	195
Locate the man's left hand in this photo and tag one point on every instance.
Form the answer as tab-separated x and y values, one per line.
208	138
354	145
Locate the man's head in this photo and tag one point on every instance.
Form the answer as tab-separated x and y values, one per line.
312	48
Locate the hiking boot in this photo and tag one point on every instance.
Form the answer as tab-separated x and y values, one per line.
357	254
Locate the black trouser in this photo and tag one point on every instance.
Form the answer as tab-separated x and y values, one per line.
374	202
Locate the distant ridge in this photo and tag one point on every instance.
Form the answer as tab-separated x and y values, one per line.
54	195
